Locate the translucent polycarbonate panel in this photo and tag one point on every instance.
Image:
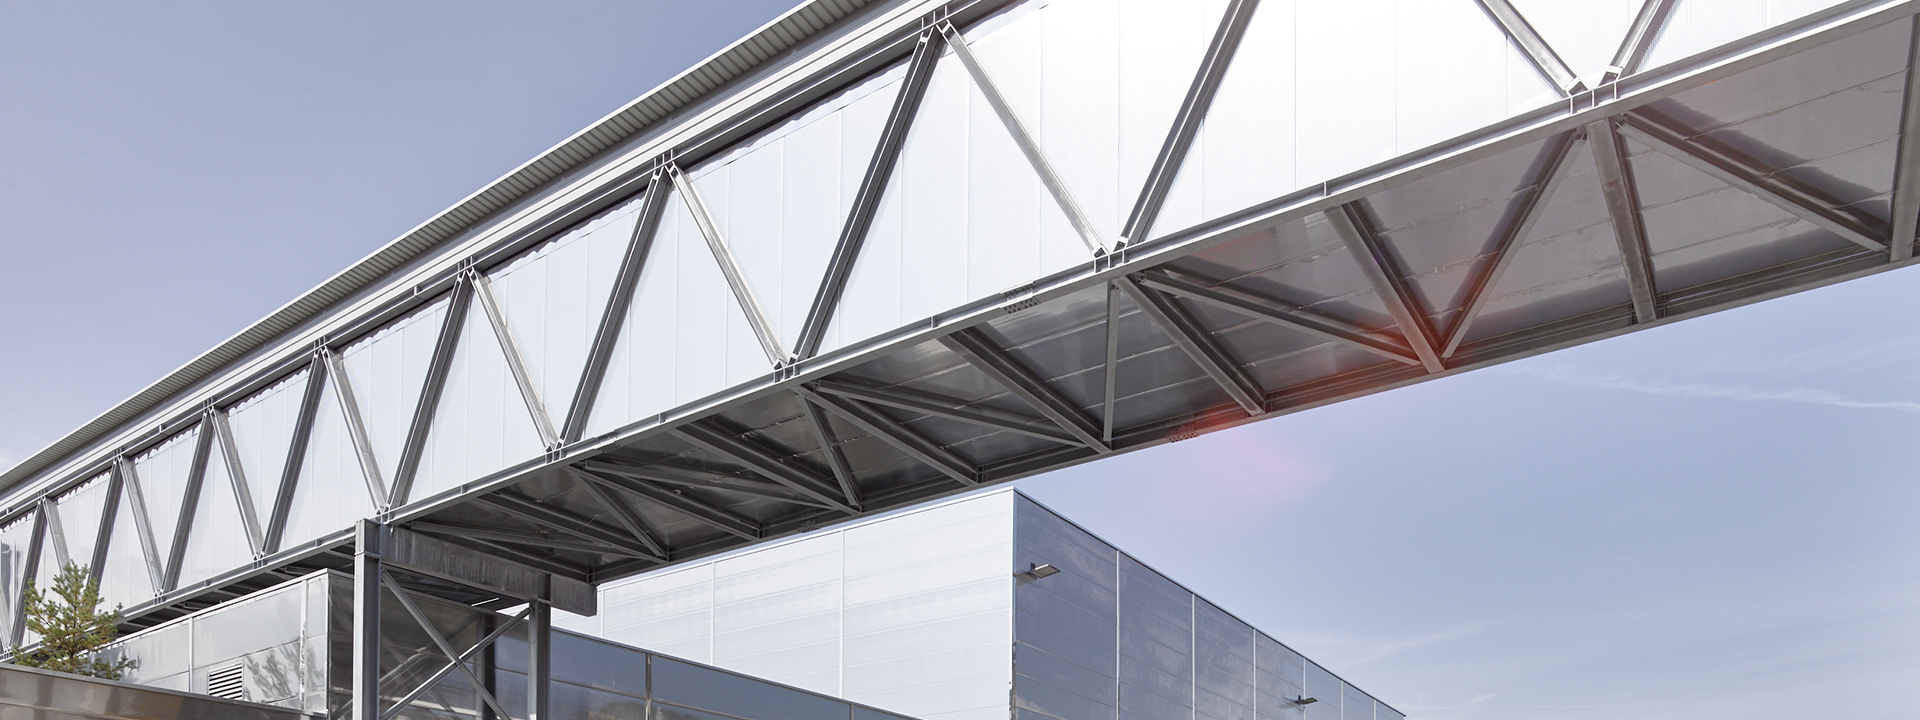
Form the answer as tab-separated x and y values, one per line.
125	578
80	514
15	542
262	427
1569	264
782	198
776	614
929	609
1156	644
1584	34
163	472
964	217
1098	83
482	423
1223	664
709	689
1321	89
387	370
670	613
1064	624
331	492
217	540
1700	25
685	336
912	616
554	295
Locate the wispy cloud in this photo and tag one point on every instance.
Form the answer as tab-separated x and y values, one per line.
1565	375
1349	651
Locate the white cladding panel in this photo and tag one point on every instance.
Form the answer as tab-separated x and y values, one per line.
911	613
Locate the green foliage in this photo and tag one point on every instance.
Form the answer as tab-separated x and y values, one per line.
72	627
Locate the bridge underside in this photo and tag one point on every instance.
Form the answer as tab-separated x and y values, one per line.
1767	170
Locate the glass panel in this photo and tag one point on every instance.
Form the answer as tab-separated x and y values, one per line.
14	544
1223	682
963	218
125	579
708	689
80	511
217	541
685	336
331	492
781	199
386	370
482	423
262	428
163	473
554	295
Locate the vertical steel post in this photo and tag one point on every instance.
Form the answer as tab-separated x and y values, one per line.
539	658
369	543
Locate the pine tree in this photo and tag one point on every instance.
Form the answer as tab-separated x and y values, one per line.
72	627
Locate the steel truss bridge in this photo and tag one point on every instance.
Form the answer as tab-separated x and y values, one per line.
880	253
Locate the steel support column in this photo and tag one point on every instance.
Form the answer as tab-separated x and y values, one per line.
55	531
873	186
1623	208
142	525
367	574
1555	162
103	534
539	661
35	546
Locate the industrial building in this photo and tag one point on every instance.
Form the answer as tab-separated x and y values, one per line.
878	254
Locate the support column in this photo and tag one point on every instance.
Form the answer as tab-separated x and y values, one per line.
368	546
539	659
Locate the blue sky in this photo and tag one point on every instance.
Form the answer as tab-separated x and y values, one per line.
1712	519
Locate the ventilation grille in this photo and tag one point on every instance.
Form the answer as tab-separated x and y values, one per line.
229	682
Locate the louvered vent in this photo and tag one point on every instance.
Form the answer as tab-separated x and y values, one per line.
229	682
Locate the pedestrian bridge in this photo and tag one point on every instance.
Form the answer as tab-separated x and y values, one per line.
882	252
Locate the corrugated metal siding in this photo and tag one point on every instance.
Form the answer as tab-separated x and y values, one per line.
770	40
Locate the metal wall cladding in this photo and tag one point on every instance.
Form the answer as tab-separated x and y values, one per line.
911	614
272	635
1107	637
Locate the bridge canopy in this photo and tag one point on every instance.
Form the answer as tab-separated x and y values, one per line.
883	252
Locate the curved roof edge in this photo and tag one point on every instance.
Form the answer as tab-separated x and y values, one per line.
770	40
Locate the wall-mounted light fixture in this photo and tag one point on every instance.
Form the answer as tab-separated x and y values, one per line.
1304	700
1035	571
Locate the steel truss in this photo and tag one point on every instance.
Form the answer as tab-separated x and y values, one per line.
829	436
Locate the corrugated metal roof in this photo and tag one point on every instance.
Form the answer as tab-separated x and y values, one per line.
772	39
